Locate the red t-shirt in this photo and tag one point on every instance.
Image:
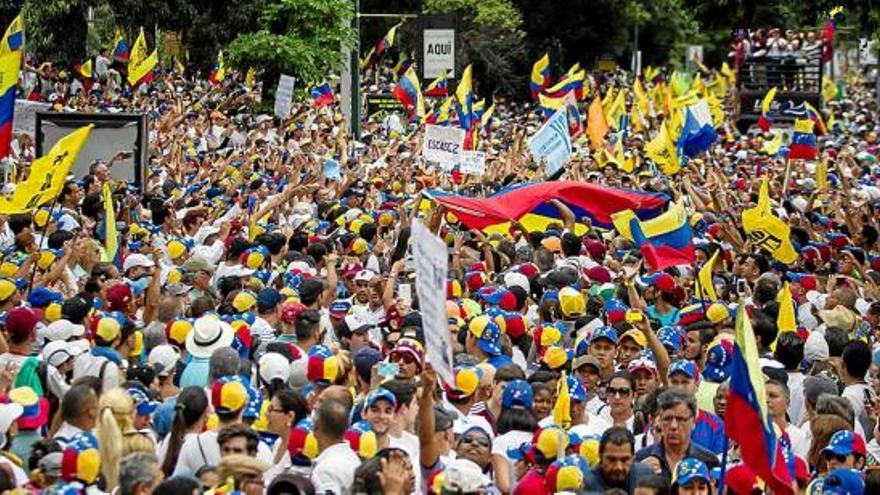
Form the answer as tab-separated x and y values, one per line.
531	484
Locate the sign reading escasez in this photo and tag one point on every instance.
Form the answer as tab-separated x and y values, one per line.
439	52
443	145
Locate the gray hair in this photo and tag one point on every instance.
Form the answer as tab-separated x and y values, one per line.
135	469
836	405
225	361
671	398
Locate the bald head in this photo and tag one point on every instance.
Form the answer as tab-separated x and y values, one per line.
331	421
336	393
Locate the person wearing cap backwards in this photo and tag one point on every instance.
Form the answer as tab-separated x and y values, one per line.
107	357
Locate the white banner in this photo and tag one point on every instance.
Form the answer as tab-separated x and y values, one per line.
284	96
443	144
472	162
552	143
430	259
439	52
25	118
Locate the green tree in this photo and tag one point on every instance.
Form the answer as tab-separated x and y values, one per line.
490	37
302	38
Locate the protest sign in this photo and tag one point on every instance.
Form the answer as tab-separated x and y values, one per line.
552	142
284	96
429	257
473	162
439	52
376	104
443	144
25	117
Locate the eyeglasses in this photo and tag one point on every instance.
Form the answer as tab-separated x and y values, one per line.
622	392
481	441
402	358
668	420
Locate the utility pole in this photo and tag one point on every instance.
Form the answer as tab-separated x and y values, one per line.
355	69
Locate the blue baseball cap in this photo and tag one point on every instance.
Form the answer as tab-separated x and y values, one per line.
843	481
41	297
517	393
143	403
267	299
487	334
688	470
846	442
604	332
685	366
576	389
718	360
671	338
380	393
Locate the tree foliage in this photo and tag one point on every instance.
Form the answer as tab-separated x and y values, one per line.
491	38
302	38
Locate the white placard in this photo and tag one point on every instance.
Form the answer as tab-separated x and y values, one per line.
443	144
552	142
472	162
25	118
430	259
284	96
439	52
867	51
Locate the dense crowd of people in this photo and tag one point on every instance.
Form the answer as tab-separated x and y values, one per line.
261	332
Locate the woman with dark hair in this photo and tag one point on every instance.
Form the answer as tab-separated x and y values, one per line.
367	479
515	425
190	415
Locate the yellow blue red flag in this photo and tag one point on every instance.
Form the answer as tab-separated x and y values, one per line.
13	38
141	63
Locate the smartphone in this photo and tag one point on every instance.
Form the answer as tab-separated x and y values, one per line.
741	286
405	292
634	316
388	370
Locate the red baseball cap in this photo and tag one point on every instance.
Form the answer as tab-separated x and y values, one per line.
118	297
21	322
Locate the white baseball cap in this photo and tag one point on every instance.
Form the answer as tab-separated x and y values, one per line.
166	356
135	260
273	365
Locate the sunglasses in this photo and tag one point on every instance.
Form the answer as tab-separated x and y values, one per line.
403	358
478	440
622	392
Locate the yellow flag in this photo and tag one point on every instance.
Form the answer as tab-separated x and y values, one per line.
766	230
640	97
13	38
704	287
661	150
829	89
47	175
697	85
728	73
562	408
786	321
717	110
110	237
768	100
822	175
465	87
771	146
617	110
140	64
597	128
249	78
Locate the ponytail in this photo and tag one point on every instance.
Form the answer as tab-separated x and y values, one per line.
175	439
109	446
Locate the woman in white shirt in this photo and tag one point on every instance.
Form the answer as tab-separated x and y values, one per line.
516	425
190	416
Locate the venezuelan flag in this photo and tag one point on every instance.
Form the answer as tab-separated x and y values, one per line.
540	76
409	92
384	43
403	64
111	237
664	241
10	64
218	70
13	38
765	120
439	86
120	46
464	93
440	115
322	95
531	202
814	115
571	82
803	141
747	420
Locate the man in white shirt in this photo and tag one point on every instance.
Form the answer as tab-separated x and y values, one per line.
334	468
102	63
856	361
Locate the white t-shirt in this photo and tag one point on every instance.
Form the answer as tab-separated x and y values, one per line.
262	328
800	444
334	469
511	439
203	450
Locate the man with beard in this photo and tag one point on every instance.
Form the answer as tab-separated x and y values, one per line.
616	468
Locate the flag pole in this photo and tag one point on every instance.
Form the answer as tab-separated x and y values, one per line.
723	465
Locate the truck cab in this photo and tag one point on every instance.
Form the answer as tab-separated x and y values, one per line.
796	80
